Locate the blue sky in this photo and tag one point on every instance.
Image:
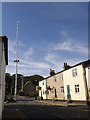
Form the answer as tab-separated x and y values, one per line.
49	35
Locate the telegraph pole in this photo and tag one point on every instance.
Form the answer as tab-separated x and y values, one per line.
16	61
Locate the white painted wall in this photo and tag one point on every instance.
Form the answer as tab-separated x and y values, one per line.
72	81
88	79
43	88
2	78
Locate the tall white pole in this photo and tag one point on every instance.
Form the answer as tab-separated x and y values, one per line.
15	92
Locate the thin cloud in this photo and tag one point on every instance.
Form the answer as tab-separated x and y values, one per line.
57	61
42	65
32	65
70	46
51	58
12	45
29	68
63	33
28	53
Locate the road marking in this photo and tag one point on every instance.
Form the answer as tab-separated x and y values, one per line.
21	115
59	116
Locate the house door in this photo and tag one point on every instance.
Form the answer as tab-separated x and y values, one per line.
55	93
41	93
68	92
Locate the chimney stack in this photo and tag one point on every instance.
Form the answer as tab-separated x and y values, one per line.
65	66
51	72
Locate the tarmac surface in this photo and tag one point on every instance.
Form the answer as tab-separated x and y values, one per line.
28	109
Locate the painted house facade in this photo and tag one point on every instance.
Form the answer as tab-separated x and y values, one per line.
88	79
42	91
72	83
52	87
3	63
56	85
76	82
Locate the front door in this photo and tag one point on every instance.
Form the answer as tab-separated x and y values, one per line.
55	93
68	92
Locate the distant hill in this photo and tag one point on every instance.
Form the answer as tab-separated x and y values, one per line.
10	81
34	79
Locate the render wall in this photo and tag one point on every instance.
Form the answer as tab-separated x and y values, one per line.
0	80
88	79
2	77
55	85
72	81
43	89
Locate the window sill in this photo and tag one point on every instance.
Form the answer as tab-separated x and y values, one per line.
77	93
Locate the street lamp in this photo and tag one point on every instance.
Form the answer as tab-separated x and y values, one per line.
16	61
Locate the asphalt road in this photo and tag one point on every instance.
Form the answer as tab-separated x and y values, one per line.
28	109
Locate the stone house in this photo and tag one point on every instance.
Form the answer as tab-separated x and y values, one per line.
29	89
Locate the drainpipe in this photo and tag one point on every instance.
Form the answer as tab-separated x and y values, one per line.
85	82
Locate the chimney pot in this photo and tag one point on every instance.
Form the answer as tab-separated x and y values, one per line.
64	66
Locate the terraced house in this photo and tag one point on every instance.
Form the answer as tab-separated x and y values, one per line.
3	63
72	83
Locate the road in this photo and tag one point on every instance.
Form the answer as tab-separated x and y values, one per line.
28	109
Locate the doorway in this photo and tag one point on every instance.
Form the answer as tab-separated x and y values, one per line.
55	93
68	92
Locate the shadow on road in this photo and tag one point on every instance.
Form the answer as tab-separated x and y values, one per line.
27	108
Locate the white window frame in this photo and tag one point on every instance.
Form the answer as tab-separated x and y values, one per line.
47	81
74	72
62	89
77	88
61	76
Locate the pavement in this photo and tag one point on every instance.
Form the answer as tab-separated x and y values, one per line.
51	102
60	103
